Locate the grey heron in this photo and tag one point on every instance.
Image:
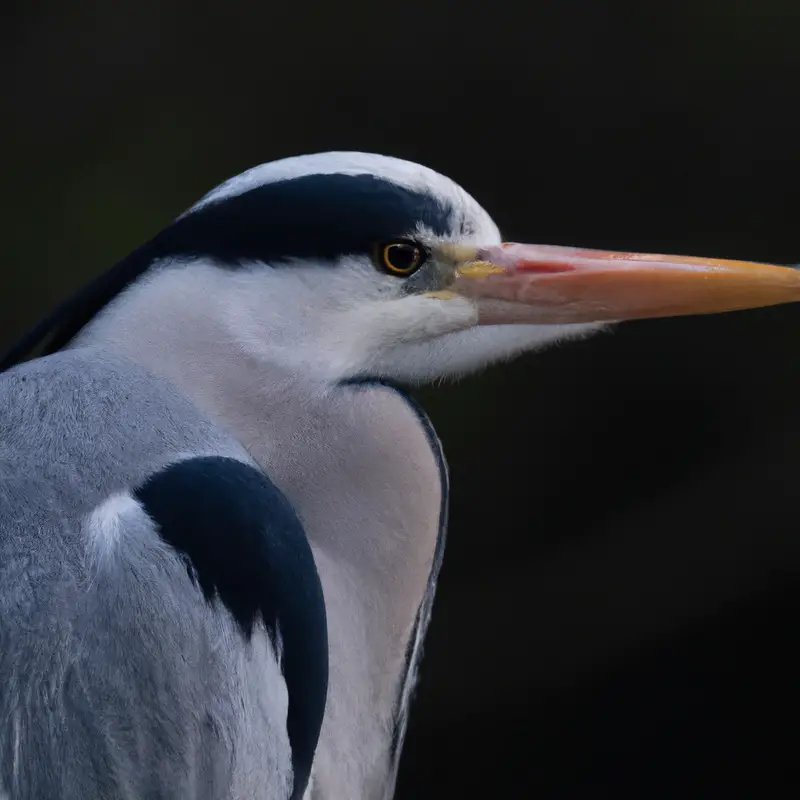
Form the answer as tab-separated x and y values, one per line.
222	518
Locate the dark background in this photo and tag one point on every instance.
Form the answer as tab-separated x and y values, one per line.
617	612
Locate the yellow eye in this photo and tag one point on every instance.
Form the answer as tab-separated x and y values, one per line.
401	258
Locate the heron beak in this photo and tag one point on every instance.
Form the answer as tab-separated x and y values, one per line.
539	284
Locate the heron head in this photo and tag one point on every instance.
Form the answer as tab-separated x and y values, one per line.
345	265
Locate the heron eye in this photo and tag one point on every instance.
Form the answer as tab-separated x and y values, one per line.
401	258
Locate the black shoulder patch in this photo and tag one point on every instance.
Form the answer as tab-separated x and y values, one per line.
245	547
318	217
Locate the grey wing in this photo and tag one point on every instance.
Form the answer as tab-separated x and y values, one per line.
151	643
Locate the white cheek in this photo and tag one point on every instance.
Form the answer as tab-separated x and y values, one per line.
333	322
371	333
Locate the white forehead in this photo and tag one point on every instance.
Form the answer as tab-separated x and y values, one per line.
397	170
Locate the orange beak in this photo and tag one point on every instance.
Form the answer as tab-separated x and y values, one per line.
539	284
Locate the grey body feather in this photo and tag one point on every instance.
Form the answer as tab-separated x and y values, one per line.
116	678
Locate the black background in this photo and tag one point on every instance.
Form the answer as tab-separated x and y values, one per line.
616	613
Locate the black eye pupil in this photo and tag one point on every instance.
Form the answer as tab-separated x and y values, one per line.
402	256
